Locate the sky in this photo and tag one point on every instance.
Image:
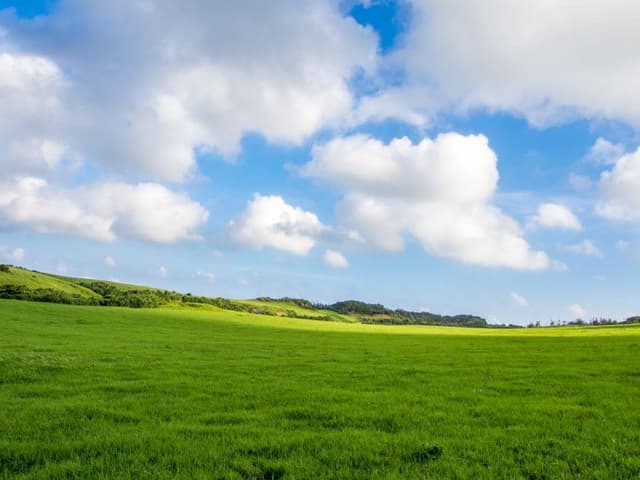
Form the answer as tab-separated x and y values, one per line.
452	157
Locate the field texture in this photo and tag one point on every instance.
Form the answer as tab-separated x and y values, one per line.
100	392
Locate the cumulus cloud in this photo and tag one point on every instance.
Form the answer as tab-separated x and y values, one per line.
269	221
12	254
586	248
519	300
141	86
553	215
620	189
32	109
439	191
335	259
605	152
412	105
102	211
530	61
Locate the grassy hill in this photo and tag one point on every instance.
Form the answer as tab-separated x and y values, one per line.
174	392
39	281
20	284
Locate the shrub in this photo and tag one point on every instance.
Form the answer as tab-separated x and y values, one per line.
50	295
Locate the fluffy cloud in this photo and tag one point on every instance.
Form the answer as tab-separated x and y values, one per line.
269	221
438	190
553	215
32	110
138	87
605	152
12	255
620	189
104	211
530	61
587	248
519	300
335	259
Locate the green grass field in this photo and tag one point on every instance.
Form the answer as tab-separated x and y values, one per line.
100	392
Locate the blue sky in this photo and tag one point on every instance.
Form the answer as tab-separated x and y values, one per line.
242	151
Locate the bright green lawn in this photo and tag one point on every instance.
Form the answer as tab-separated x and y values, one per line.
97	392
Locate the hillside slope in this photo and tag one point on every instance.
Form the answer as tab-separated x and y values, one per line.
21	284
17	280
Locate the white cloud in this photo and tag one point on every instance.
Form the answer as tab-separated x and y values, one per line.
269	221
587	248
438	190
12	255
103	211
553	215
620	189
401	103
578	311
335	259
604	152
529	61
110	262
165	80
519	300
163	272
31	118
207	277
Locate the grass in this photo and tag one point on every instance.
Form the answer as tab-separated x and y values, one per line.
99	392
37	280
276	307
102	291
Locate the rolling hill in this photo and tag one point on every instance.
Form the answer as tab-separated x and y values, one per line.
22	284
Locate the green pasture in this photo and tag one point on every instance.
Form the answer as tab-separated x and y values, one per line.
205	393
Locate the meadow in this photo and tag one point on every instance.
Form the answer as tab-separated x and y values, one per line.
183	392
